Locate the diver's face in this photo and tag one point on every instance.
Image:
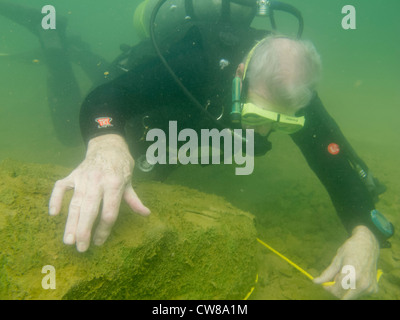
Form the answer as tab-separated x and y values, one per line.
264	129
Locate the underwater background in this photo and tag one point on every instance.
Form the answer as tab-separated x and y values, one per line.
360	88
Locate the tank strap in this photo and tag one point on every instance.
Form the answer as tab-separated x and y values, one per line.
225	11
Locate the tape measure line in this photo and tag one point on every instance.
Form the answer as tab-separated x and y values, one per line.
330	283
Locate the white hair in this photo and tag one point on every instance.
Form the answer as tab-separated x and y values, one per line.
285	72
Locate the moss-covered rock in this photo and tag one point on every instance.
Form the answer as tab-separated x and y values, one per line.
192	246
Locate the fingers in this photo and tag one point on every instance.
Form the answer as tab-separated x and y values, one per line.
111	204
84	208
134	202
73	216
89	192
336	288
330	277
82	213
343	286
57	195
363	285
330	272
87	216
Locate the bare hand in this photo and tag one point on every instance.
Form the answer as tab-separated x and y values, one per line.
104	176
361	251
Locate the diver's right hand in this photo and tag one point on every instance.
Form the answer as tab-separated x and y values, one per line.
104	175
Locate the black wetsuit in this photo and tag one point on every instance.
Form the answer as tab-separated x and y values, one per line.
145	95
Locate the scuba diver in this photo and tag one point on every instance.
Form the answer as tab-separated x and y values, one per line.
200	63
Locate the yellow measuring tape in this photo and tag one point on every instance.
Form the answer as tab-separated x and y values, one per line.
330	283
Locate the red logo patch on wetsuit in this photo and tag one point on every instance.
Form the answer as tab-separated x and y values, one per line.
104	122
333	148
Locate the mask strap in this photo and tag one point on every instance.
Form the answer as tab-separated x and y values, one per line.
249	56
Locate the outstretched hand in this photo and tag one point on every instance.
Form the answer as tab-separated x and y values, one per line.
104	177
360	251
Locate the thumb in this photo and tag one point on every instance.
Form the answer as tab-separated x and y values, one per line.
330	272
134	202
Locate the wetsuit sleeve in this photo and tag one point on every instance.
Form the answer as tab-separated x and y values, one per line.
327	153
148	85
103	112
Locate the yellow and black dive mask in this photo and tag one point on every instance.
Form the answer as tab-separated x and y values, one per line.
248	114
253	116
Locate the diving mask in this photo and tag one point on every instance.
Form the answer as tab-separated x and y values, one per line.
254	116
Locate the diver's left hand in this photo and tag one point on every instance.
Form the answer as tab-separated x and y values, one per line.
361	251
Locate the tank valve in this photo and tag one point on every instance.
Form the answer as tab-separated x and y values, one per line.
263	7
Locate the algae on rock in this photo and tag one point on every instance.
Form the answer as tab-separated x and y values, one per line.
192	246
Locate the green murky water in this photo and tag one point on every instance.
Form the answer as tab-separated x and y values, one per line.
360	88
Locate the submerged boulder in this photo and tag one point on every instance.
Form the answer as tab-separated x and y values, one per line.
192	246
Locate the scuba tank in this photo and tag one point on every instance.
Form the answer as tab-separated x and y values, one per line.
170	14
174	13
